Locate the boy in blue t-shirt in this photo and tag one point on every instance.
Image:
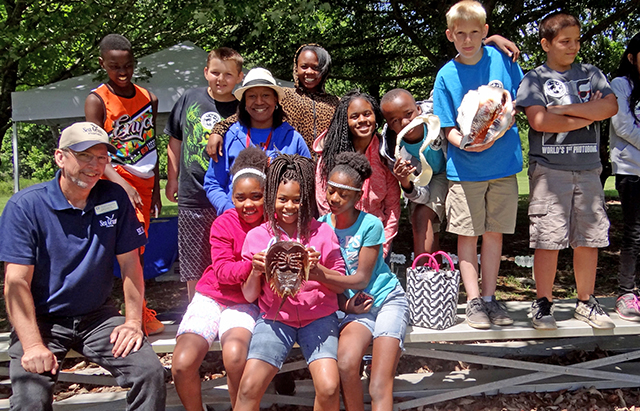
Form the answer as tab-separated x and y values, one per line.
483	190
190	123
564	101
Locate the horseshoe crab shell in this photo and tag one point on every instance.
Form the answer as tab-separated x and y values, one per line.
286	268
484	116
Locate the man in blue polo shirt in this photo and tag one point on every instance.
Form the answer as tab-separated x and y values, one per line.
58	242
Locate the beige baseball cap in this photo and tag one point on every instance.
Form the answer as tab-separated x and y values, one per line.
84	135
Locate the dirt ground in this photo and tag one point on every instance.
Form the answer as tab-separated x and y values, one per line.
169	299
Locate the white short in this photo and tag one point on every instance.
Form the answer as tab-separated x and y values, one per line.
207	318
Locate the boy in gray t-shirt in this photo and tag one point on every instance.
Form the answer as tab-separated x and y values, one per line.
576	149
564	101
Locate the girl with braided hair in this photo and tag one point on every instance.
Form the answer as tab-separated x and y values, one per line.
218	306
374	301
354	129
308	318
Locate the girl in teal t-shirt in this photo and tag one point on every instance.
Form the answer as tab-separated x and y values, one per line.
375	302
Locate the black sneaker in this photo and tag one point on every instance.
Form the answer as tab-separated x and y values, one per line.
541	315
477	315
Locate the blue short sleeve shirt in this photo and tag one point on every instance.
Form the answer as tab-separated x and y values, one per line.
72	250
453	81
367	231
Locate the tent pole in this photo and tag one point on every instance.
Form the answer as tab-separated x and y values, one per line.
16	169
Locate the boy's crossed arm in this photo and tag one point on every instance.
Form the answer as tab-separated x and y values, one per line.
564	118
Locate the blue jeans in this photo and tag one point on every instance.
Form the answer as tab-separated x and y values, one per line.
388	320
272	340
628	187
140	371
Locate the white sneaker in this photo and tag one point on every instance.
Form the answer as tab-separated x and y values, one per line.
592	313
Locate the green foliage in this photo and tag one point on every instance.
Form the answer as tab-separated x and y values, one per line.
36	145
523	131
162	141
40	163
6	187
375	45
379	45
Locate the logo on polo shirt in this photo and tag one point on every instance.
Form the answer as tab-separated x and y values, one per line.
109	221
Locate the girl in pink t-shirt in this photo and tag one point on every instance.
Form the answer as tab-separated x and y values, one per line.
354	128
218	306
309	317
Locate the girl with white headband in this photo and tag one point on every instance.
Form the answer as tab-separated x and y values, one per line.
374	302
219	306
261	123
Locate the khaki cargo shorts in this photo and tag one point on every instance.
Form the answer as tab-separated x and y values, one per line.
475	207
566	208
438	188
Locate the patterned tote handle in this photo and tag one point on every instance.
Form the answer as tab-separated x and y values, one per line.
447	258
433	263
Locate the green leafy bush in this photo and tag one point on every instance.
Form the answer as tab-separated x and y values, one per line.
36	145
40	162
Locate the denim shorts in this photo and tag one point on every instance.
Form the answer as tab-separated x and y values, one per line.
272	340
388	320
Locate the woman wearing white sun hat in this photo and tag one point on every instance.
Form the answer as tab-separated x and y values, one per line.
261	122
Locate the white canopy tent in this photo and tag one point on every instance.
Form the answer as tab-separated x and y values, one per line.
167	73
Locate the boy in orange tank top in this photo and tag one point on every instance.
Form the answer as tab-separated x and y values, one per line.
127	112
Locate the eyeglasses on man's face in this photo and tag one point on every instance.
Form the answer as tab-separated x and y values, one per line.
85	158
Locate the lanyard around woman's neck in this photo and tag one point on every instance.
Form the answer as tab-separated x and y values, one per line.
266	143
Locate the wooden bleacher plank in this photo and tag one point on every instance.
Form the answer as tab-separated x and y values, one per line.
82	376
405	386
546	347
568	327
571	334
522	329
421	385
